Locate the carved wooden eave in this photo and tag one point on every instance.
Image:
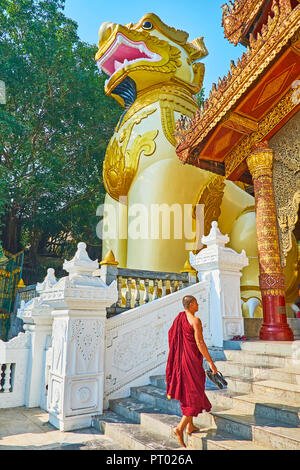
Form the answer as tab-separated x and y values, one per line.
238	17
242	17
240	104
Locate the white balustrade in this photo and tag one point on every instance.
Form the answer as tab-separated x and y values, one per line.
13	370
95	356
138	287
7	376
136	345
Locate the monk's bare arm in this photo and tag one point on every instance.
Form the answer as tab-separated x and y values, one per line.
197	325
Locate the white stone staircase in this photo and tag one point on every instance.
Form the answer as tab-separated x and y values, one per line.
259	410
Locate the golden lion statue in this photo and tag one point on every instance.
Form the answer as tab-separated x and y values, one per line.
154	74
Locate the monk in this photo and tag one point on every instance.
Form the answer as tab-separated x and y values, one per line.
184	373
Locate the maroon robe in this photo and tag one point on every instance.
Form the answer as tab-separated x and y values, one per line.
184	373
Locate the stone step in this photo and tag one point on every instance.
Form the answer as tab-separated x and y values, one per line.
108	416
205	439
262	360
134	437
163	424
222	398
277	348
239	384
249	371
212	439
255	372
159	381
148	399
237	427
258	404
272	408
274	394
151	400
281	390
130	408
156	398
270	388
259	430
253	413
288	375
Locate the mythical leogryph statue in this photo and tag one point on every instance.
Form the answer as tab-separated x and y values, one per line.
154	73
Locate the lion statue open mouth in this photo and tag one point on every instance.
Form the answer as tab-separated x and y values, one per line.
148	53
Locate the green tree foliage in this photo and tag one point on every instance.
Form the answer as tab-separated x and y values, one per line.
54	129
200	98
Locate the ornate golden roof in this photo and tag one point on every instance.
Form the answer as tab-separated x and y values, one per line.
238	17
282	26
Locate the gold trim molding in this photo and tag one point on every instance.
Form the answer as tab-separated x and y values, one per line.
260	163
265	126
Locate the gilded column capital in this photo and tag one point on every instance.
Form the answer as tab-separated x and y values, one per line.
260	161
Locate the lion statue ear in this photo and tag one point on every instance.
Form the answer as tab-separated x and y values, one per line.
199	71
197	49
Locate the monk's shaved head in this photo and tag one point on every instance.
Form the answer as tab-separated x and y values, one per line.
187	299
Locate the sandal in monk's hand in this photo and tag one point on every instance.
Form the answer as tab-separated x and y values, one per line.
217	378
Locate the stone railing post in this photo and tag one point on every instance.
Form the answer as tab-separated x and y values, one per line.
37	318
108	268
192	273
222	266
76	381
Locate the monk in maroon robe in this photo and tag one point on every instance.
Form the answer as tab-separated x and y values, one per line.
184	373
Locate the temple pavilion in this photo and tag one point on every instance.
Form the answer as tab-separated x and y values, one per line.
248	132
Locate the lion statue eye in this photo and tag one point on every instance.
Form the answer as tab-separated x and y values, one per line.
147	25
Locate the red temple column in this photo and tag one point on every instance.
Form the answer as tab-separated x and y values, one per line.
271	279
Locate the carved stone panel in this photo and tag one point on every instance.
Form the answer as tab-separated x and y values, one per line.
138	347
83	395
286	181
59	338
87	334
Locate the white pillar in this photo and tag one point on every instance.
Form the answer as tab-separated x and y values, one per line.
37	318
76	383
222	267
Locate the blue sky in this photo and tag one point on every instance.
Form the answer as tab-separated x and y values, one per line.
197	17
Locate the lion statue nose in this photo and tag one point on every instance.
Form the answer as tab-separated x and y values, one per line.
106	30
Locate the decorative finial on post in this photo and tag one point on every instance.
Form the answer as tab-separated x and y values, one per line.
21	283
222	267
215	237
81	264
216	254
191	272
49	281
187	268
110	259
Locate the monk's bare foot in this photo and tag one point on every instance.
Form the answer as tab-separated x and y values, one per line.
179	435
191	428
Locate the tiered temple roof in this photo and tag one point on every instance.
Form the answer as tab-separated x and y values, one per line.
240	100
